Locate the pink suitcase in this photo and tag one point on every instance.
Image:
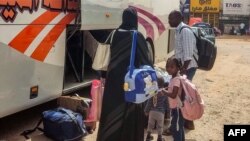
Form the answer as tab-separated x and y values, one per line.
96	96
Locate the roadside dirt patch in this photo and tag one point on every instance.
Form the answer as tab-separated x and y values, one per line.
225	90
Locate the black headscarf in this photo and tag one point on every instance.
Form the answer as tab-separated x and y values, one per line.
129	19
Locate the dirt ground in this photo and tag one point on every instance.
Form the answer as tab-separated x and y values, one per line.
224	90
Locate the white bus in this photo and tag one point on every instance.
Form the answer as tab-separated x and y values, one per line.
42	50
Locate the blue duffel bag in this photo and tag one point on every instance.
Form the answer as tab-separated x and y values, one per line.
140	83
61	124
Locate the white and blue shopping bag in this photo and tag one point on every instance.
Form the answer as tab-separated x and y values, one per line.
140	83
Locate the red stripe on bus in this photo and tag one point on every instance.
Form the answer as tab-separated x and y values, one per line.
23	40
148	27
48	42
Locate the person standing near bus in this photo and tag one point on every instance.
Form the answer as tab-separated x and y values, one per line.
122	121
185	50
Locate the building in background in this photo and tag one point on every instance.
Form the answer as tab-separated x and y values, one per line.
236	13
208	10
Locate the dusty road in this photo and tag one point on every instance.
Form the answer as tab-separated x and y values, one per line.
225	90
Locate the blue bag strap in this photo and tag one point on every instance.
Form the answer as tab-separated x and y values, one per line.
27	132
133	51
69	113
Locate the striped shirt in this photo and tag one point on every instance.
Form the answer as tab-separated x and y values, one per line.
185	46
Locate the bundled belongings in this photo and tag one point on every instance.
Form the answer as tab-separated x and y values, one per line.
61	124
164	74
75	103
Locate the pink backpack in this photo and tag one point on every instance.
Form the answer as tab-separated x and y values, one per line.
193	105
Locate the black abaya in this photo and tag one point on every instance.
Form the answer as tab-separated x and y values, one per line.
122	121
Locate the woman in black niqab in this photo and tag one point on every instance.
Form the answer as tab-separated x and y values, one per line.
120	120
129	19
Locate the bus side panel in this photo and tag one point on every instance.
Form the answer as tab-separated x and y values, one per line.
32	50
102	14
20	71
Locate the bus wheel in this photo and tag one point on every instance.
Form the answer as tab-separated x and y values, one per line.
151	51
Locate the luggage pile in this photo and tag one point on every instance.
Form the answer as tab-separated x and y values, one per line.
75	117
